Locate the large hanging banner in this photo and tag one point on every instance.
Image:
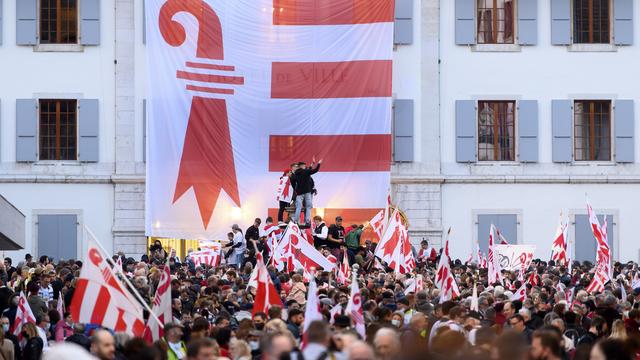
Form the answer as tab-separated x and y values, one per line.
239	89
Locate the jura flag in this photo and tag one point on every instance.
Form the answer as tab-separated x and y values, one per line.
161	307
100	298
238	90
24	315
354	307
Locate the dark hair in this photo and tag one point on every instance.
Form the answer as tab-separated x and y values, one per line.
275	312
269	219
518	317
598	322
8	259
550	339
137	348
194	346
318	332
295	312
223	336
257	220
260	314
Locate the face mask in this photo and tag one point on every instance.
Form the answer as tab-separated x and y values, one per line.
5	328
254	345
395	322
259	326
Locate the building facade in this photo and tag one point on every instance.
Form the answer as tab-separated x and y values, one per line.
505	112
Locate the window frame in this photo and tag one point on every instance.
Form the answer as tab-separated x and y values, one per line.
614	213
515	129
573	26
475	222
57	44
514	36
58	125
611	130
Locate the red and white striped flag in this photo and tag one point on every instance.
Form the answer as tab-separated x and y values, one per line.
603	252
445	281
60	305
323	60
559	246
343	273
294	250
354	307
209	257
100	298
24	315
494	274
266	293
312	310
389	240
402	259
161	308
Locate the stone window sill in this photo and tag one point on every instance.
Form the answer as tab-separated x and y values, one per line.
58	48
496	48
592	48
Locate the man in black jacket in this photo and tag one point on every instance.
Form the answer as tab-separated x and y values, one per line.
252	235
304	189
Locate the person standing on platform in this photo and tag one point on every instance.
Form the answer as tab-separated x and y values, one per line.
304	189
285	191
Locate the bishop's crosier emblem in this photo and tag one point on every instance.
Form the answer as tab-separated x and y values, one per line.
207	163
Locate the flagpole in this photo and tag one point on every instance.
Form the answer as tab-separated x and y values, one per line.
124	277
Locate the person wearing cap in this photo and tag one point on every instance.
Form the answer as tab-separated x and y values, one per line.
304	189
284	195
176	348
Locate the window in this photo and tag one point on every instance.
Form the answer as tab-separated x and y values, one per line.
585	244
495	21
496	129
58	21
507	224
591	22
58	130
592	130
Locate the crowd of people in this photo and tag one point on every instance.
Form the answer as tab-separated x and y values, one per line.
212	313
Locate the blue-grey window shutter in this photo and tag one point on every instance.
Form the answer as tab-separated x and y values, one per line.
403	24
624	131
58	236
484	224
527	22
528	130
561	129
403	130
623	22
506	223
465	22
466	135
144	21
144	130
89	130
90	22
561	22
0	22
26	27
26	130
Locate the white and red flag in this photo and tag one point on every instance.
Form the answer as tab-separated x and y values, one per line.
208	257
603	252
60	305
233	87
296	252
312	309
380	221
354	307
389	240
101	298
285	190
161	308
493	261
24	315
520	294
559	246
343	272
445	281
266	293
